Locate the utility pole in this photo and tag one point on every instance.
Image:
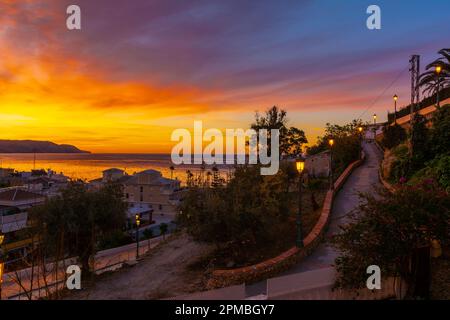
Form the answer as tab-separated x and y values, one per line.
415	93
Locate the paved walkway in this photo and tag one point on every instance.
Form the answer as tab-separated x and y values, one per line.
363	179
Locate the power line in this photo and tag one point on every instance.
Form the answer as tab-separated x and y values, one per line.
383	92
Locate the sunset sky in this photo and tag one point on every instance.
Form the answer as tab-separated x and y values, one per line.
139	69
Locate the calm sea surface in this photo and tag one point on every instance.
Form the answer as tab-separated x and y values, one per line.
90	165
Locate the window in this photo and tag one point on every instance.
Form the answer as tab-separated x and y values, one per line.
141	189
127	195
160	207
141	198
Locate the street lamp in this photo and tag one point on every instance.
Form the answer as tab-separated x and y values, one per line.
438	70
300	165
138	222
2	265
360	130
331	143
395	108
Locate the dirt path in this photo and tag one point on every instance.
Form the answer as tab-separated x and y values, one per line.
164	273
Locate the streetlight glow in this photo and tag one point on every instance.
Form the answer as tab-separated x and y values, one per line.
2	237
395	97
438	69
360	129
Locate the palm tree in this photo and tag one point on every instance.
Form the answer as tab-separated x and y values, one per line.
216	177
429	79
171	171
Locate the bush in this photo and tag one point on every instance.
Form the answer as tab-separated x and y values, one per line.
115	239
440	133
400	166
245	213
148	233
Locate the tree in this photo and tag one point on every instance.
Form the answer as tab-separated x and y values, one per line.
291	142
78	219
429	81
313	186
241	215
171	168
387	230
420	149
148	233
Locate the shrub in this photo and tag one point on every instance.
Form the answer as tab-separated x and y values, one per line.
400	166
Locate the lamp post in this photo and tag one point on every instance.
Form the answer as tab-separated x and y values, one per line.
2	265
300	165
395	108
374	126
438	70
331	143
138	222
360	130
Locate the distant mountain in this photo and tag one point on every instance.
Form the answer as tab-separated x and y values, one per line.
30	146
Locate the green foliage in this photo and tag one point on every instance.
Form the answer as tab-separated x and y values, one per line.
393	136
428	80
163	228
438	169
387	228
76	221
439	142
400	167
420	143
148	233
346	144
114	239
